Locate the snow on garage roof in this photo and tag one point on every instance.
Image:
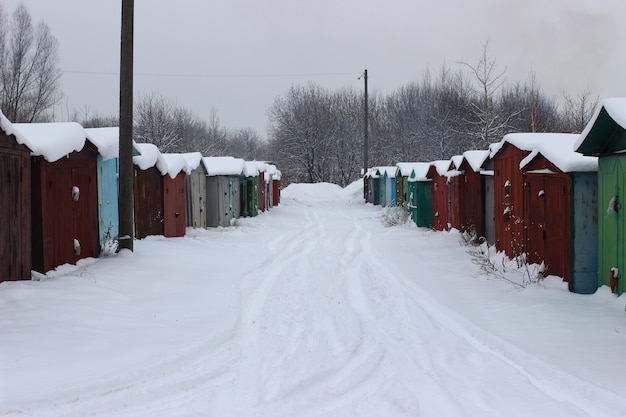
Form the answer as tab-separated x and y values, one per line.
475	158
223	165
149	155
106	139
530	141
457	160
420	168
389	170
442	166
407	167
614	107
52	141
193	160
172	164
250	169
560	151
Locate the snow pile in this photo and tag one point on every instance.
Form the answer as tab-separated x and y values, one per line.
313	193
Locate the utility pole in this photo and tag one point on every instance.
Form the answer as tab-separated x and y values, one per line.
125	204
366	128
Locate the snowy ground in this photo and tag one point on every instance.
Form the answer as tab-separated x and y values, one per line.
312	309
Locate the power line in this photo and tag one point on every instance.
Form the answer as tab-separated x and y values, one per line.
278	75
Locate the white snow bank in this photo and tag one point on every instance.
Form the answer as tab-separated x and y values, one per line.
322	191
52	141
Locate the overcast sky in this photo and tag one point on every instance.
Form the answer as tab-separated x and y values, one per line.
237	56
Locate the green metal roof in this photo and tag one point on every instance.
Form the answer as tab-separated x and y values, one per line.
604	136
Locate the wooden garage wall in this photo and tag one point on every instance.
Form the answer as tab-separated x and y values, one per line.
509	200
58	219
148	202
15	210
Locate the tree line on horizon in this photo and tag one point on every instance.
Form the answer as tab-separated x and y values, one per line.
314	134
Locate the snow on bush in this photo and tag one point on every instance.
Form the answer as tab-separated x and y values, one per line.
394	216
517	271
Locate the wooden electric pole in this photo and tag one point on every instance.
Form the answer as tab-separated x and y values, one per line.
125	204
366	129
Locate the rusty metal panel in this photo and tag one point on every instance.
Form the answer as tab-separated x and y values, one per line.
399	190
261	191
584	233
276	192
218	201
488	204
509	200
440	202
557	242
472	208
455	201
547	216
65	210
148	202
174	205
15	204
547	221
535	218
195	198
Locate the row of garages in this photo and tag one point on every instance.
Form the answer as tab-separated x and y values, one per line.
59	193
553	198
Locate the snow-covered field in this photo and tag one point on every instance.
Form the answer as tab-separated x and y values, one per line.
312	309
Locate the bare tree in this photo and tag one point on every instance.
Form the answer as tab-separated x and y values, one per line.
244	143
88	119
216	141
489	123
29	71
155	122
301	131
578	111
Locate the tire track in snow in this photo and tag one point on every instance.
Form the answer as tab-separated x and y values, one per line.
258	287
564	388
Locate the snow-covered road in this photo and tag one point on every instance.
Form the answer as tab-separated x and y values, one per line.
313	309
